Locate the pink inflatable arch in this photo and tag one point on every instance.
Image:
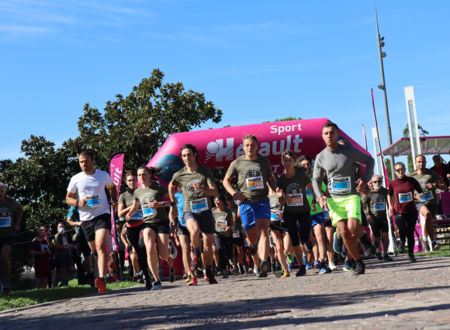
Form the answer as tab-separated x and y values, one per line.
218	147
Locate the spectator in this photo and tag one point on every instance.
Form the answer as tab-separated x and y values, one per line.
441	168
41	251
10	220
63	259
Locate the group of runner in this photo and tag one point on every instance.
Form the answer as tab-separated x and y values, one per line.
287	206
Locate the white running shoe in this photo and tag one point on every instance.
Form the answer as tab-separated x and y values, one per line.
332	266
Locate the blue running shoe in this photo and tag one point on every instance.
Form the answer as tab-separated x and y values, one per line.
349	266
337	243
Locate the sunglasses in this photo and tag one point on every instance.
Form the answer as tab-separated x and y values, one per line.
399	169
379	181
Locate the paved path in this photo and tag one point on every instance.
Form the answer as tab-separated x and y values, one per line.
397	294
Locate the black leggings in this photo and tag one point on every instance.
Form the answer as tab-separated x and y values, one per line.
133	237
298	226
406	224
224	247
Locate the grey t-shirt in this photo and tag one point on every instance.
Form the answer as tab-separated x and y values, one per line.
429	195
145	196
252	176
194	200
295	191
339	166
127	199
375	202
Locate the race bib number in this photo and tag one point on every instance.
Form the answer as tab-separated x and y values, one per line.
199	205
5	222
44	247
427	196
147	211
274	216
295	199
341	185
405	197
221	225
379	206
236	233
137	216
255	183
92	201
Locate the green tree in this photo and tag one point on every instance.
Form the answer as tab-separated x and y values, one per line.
422	132
139	123
283	119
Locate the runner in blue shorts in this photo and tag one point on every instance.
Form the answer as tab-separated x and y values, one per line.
254	173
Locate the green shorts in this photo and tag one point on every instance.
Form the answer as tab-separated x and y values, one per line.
342	208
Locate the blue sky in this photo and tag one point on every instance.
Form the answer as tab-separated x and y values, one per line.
256	60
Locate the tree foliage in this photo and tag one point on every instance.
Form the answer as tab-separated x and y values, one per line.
137	124
283	119
422	132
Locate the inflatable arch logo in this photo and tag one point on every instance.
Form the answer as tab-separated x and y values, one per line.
218	147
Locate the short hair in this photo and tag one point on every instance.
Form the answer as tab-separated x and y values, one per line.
376	176
153	171
130	172
437	157
290	153
304	157
250	137
420	155
222	198
330	124
87	152
400	163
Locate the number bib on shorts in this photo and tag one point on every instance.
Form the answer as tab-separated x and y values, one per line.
137	216
427	196
147	211
199	205
274	216
295	199
5	222
255	183
341	185
221	225
379	206
236	233
405	197
92	201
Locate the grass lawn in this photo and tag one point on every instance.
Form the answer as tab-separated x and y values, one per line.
24	298
444	251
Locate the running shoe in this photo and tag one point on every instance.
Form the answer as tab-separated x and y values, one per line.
225	274
235	271
241	269
172	275
156	285
360	268
379	257
337	243
308	265
317	264
412	258
387	258
100	284
332	265
323	268
348	266
263	269
212	280
193	281
434	246
188	278
301	271
285	274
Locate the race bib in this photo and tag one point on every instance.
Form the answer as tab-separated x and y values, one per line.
341	185
44	247
137	216
199	205
5	222
379	206
309	193
147	211
221	225
405	197
236	233
255	183
295	199
92	201
274	216
427	196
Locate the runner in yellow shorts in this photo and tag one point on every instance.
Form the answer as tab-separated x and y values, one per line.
343	208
